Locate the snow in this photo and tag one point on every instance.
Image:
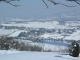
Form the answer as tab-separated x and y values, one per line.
6	32
46	45
72	23
11	32
28	55
49	25
54	36
74	36
49	45
8	51
16	33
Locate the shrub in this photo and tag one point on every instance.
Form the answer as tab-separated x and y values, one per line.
7	43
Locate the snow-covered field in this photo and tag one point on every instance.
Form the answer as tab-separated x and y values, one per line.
49	45
50	25
54	36
74	36
27	55
6	32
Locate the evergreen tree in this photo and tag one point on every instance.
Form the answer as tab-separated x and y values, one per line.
74	51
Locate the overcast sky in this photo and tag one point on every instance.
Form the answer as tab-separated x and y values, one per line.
34	8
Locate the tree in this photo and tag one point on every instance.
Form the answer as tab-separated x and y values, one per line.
74	50
9	2
52	1
57	3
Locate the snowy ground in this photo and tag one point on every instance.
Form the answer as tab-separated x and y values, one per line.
49	25
74	36
27	55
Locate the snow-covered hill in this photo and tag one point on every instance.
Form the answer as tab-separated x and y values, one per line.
18	55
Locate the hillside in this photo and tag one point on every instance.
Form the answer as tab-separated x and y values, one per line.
64	30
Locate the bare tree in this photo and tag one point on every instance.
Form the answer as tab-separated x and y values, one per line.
9	2
52	1
77	1
57	3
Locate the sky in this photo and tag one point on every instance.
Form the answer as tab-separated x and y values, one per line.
34	9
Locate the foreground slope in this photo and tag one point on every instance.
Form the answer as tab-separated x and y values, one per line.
17	55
